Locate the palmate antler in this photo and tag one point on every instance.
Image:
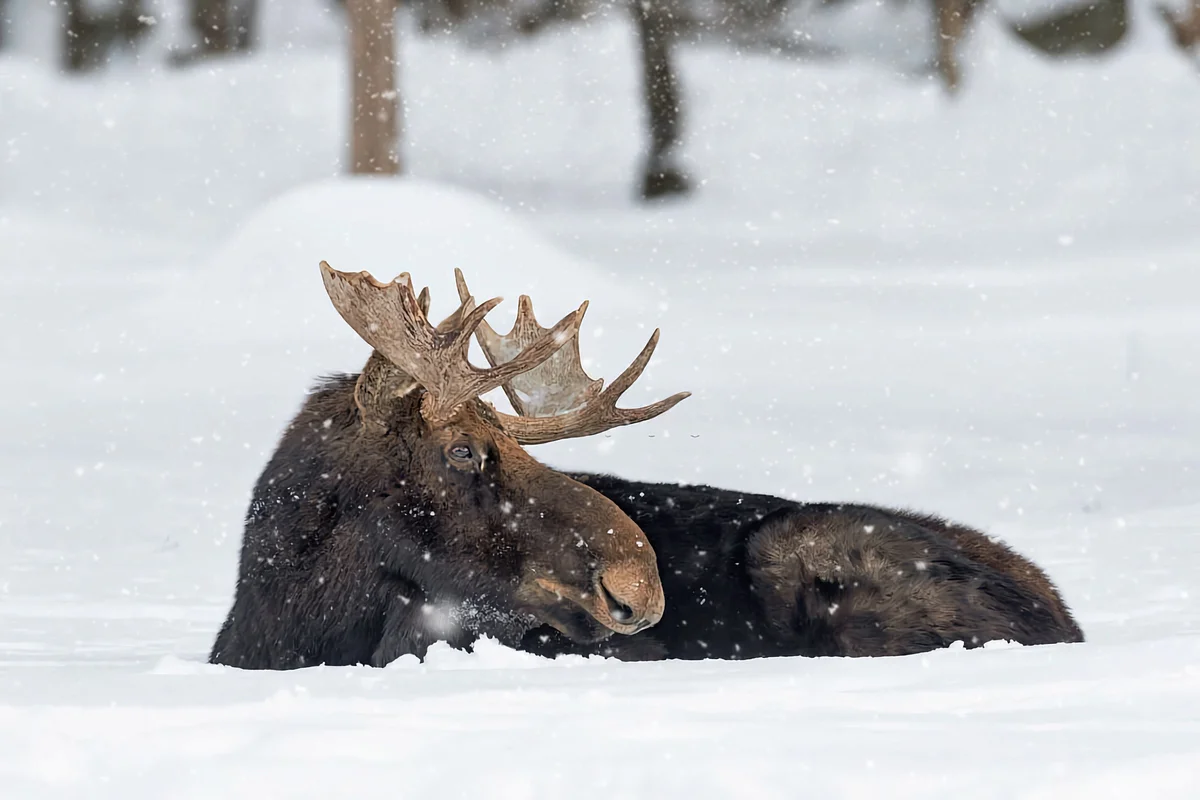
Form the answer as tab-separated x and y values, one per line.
393	320
556	399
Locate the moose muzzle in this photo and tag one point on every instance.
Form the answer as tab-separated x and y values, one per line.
626	598
621	590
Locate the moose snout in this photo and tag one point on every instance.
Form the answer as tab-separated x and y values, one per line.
606	568
630	596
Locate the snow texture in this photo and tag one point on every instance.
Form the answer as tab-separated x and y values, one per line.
988	309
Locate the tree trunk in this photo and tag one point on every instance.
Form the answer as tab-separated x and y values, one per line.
223	26
211	23
88	36
1185	27
661	175
1085	30
78	41
375	122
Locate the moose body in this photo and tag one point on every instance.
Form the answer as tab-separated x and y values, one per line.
749	575
399	509
345	561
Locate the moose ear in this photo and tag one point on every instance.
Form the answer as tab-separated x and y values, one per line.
379	386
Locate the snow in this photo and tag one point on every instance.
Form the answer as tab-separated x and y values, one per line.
988	309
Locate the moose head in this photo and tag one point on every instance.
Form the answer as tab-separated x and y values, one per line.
451	498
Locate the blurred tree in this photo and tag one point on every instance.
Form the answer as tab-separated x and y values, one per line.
3	21
1185	26
375	123
220	26
953	18
90	35
1085	30
1057	28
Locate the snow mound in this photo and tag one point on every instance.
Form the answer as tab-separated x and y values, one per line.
263	284
174	665
487	654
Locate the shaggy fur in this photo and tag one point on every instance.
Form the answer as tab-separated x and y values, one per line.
750	575
361	545
364	543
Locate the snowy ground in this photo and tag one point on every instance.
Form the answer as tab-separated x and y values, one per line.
989	309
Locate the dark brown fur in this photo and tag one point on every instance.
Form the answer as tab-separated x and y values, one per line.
359	527
753	575
365	540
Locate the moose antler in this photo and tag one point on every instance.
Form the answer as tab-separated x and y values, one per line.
557	399
393	320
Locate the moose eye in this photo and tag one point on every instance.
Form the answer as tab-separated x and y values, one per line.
460	452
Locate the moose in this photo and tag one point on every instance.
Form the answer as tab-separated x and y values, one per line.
400	508
748	575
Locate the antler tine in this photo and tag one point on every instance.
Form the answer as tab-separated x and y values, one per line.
634	370
627	378
558	400
597	415
392	319
455	338
558	384
530	357
484	332
349	291
525	322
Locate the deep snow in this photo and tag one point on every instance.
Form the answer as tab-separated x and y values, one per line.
988	309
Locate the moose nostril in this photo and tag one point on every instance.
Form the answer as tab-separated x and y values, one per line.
619	612
616	609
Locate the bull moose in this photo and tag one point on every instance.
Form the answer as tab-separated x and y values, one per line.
400	509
